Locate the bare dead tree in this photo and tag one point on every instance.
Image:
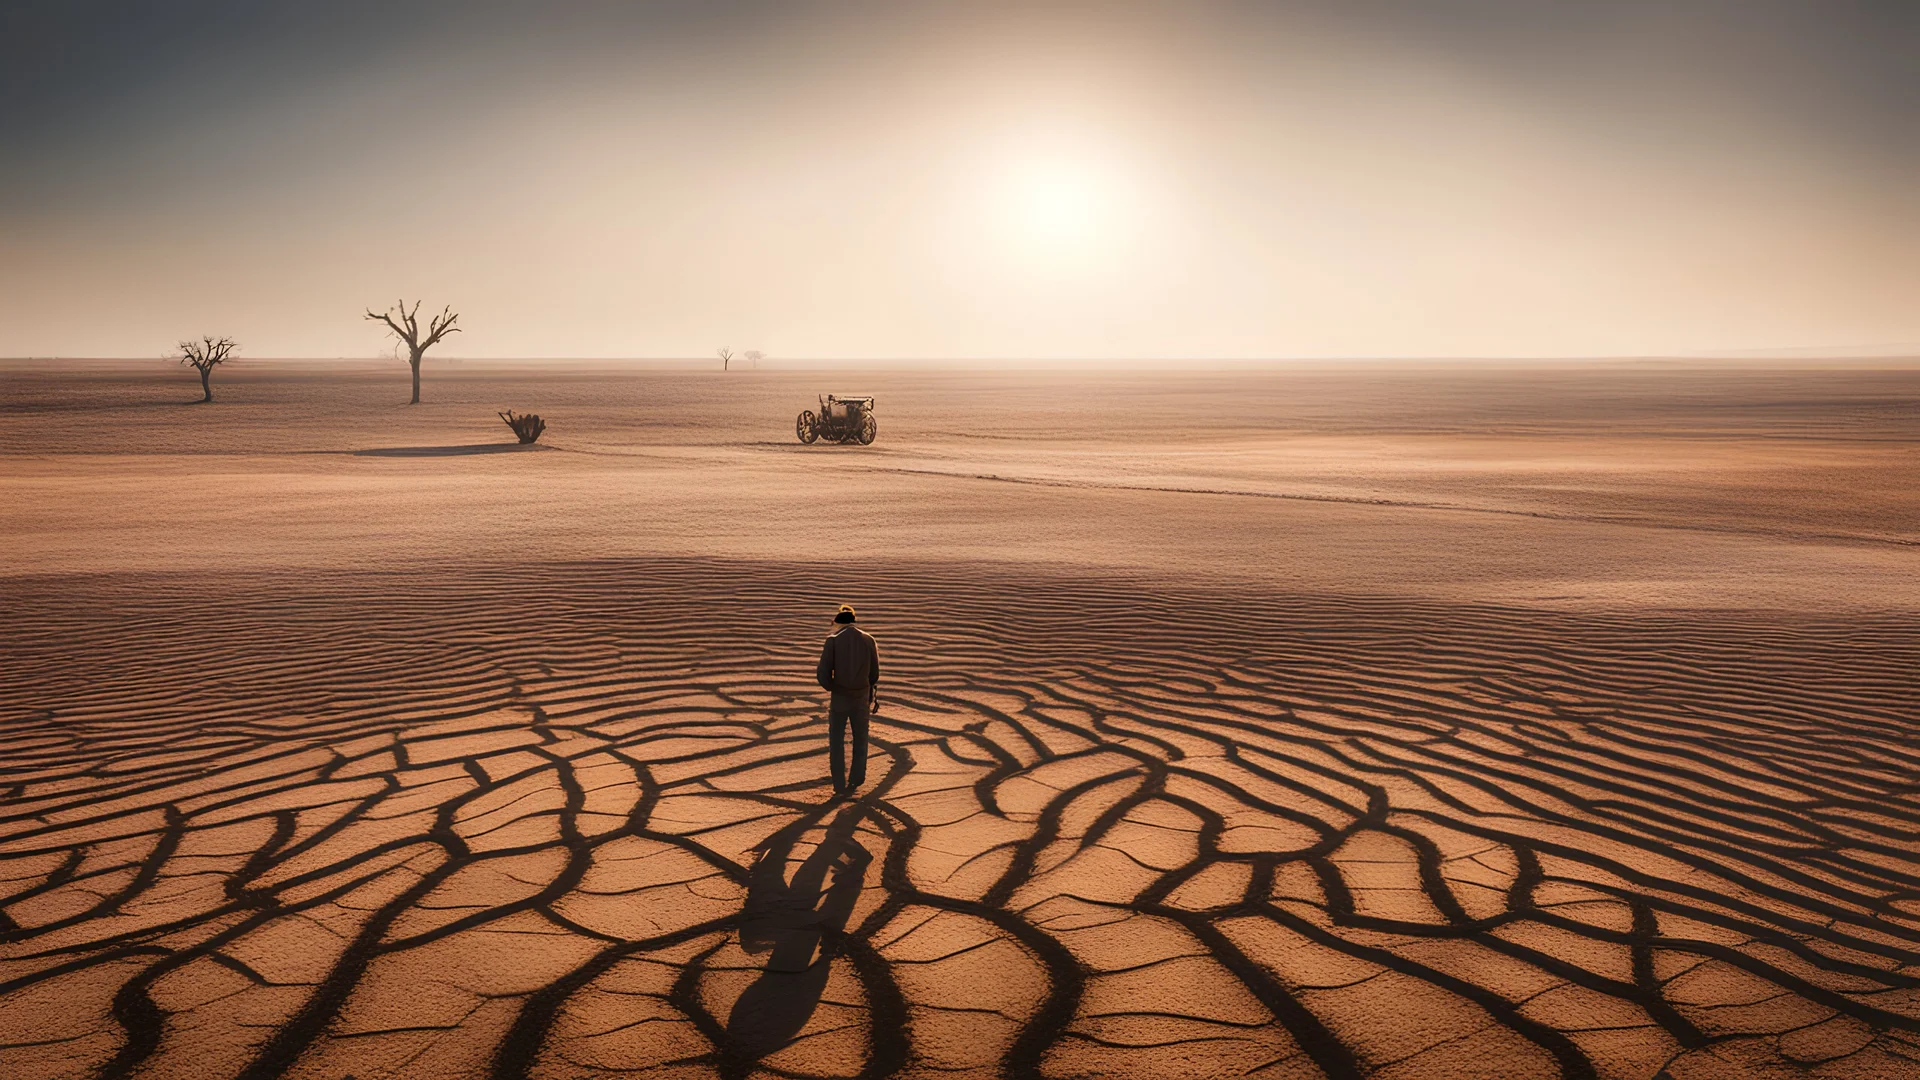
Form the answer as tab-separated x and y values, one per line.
753	358
726	357
401	322
526	426
204	355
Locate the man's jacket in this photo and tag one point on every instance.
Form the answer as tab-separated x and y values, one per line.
849	662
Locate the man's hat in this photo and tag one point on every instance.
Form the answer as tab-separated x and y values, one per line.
846	614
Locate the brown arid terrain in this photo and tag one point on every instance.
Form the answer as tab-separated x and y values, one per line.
1436	722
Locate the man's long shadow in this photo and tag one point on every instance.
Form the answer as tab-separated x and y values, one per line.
793	923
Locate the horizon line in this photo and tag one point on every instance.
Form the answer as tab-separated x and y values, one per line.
1890	351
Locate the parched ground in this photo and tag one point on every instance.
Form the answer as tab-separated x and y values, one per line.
1440	724
571	821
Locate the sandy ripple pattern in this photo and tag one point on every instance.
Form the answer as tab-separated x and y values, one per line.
572	821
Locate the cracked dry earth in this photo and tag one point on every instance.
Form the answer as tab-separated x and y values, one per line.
570	821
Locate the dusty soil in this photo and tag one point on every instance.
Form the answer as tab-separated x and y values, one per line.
1442	722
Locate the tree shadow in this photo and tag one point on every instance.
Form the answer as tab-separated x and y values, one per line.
450	451
795	925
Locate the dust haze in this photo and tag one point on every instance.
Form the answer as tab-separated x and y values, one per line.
1390	531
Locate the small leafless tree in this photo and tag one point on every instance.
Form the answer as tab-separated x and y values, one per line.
205	355
752	357
726	357
401	322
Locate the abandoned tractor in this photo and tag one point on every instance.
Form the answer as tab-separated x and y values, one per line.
840	419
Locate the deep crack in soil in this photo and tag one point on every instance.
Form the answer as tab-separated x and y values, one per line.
572	820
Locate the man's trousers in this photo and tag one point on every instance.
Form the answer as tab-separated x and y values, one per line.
847	708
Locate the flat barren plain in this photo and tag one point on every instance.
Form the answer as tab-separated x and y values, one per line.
1413	723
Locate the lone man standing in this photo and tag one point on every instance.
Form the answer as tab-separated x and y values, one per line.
849	670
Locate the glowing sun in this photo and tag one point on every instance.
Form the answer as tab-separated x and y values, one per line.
1057	202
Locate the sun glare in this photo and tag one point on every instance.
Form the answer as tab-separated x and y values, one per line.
1060	208
1056	200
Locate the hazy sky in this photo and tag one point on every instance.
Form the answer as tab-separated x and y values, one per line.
902	180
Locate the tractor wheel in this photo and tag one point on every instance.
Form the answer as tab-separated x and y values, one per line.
867	430
805	427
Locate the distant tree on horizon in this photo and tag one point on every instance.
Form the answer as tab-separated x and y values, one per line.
204	355
726	357
753	358
401	322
